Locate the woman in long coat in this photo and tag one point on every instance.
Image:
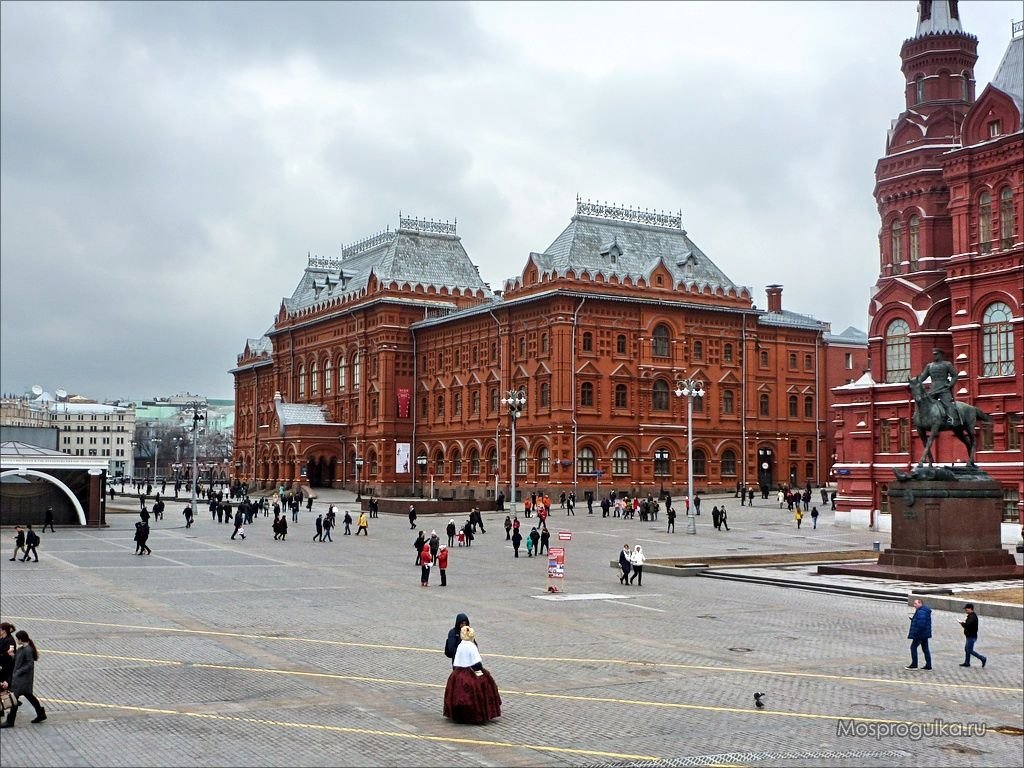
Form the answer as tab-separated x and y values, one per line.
471	695
22	680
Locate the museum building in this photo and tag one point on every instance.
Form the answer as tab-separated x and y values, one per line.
386	370
950	195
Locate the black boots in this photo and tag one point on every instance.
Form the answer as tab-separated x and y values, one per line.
40	716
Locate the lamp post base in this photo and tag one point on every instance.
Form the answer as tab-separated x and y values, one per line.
691	523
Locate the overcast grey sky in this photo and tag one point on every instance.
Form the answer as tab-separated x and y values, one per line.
166	167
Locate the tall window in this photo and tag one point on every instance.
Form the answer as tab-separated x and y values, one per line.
792	406
792	361
661	462
327	376
357	372
543	342
588	341
457	404
698	350
314	379
456	462
659	341
997	340
897	351
896	244
884	437
544	461
587	394
620	462
808	407
728	401
521	462
1013	432
763	404
919	89
729	463
985	222
475	400
965	85
1007	232
302	382
585	461
474	462
659	396
522	346
727	353
620	344
915	240
494	400
545	395
474	355
492	462
439	407
764	359
700	462
621	396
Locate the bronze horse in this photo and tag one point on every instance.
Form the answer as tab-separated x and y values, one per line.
930	419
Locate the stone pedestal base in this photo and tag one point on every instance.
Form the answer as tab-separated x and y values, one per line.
943	531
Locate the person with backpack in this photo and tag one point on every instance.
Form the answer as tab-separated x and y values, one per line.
348	523
31	542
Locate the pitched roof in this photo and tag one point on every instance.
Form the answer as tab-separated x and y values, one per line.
788	319
627	242
1009	78
419	252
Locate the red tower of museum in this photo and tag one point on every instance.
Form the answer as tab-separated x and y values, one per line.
950	195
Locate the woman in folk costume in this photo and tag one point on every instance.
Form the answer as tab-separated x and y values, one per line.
471	695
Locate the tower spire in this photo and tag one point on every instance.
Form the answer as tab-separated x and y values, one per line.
937	16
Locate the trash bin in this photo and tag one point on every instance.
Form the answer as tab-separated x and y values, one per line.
877	546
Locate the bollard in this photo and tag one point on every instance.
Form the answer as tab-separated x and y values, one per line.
877	546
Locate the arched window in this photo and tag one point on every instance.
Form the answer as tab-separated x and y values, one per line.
314	379
475	400
543	342
327	376
659	341
456	462
620	462
897	351
792	361
457	404
474	355
492	462
965	85
659	395
373	407
302	382
763	404
985	222
585	462
494	400
915	240
439	463
764	359
896	244
373	464
620	344
727	353
474	462
439	407
1007	232
521	462
587	394
792	406
357	372
544	395
919	89
728	401
440	360
621	396
808	407
698	350
544	461
997	340
342	373
662	461
522	347
700	462
588	341
729	463
808	471
458	358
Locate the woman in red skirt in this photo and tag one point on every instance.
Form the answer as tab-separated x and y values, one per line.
471	695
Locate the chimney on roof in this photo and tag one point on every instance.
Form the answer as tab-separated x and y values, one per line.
774	298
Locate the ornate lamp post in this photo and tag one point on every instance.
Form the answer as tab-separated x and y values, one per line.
690	389
421	462
196	411
514	400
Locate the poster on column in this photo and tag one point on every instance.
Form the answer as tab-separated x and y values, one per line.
556	569
402	458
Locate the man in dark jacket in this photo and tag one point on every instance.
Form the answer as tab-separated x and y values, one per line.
452	643
920	632
517	540
970	625
48	520
19	542
32	541
625	564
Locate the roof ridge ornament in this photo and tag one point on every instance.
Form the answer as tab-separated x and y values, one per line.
629	214
384	236
427	225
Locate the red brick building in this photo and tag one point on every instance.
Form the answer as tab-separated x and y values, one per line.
385	369
950	193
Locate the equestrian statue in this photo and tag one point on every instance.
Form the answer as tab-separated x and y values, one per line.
936	411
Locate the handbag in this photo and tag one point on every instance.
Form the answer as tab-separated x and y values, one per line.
7	700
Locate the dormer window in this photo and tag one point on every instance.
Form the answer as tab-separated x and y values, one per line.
612	251
995	128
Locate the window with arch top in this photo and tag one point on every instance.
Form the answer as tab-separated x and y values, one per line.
302	382
997	340
314	379
919	89
659	341
764	405
521	462
621	396
896	244
588	341
985	222
700	462
728	401
620	344
729	463
544	395
1007	232
357	372
808	407
914	230
659	396
727	353
792	407
698	350
585	461
587	394
620	462
327	376
897	351
544	461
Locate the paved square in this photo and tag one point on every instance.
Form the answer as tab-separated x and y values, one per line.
259	652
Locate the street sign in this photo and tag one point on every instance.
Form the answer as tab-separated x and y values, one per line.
565	535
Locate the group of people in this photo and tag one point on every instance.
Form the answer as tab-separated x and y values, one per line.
921	632
18	657
471	695
430	551
631	565
25	544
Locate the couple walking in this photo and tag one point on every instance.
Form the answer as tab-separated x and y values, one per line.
631	561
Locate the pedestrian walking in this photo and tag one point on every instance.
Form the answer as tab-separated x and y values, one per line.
48	519
637	560
23	679
239	522
970	625
716	518
435	544
508	528
625	564
412	517
533	542
920	632
319	535
442	564
723	518
363	524
348	523
814	518
671	520
187	512
31	542
142	536
799	515
417	545
19	542
517	540
545	538
328	525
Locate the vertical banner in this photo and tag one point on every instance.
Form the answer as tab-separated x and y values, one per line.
556	569
402	458
404	397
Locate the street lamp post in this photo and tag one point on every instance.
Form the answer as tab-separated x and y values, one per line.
690	389
197	412
359	477
132	443
155	442
514	400
421	462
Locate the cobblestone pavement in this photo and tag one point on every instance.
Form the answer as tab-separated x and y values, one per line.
259	652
